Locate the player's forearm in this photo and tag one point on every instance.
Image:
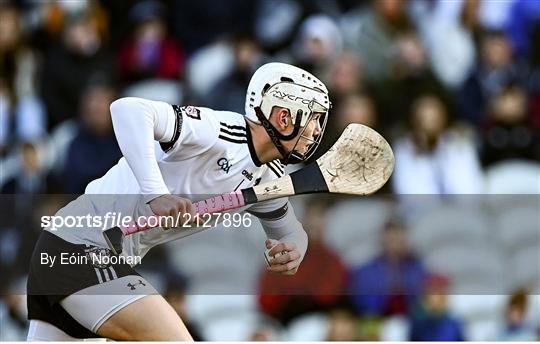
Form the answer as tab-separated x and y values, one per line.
299	237
137	124
287	229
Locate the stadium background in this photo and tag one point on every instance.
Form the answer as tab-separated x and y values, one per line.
453	85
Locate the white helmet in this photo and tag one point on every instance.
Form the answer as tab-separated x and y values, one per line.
292	88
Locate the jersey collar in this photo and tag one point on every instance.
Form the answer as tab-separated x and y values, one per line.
251	147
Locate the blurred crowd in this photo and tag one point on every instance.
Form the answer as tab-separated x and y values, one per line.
453	85
450	83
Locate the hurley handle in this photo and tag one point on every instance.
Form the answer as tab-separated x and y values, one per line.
216	204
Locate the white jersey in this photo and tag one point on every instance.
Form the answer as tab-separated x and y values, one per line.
200	153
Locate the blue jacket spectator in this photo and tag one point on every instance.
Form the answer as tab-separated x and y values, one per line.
430	320
391	282
525	14
426	326
94	149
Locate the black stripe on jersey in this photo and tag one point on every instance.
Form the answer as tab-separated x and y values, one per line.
237	186
274	170
226	133
239	127
167	146
278	166
272	215
237	140
232	133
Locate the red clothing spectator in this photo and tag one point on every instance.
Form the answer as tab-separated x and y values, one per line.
162	59
150	53
319	284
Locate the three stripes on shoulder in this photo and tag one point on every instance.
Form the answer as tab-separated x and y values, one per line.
232	133
237	134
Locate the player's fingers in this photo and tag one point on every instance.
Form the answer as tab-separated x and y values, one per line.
182	206
183	210
280	268
173	210
190	208
284	267
282	247
269	243
166	221
285	258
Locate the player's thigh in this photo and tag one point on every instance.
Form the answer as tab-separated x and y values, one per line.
149	318
126	308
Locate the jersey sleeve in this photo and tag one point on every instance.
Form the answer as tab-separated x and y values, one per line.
195	132
181	132
137	124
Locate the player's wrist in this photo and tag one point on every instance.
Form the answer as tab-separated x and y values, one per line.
150	197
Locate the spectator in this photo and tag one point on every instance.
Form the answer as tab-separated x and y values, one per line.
230	92
428	155
22	115
525	15
345	77
198	23
372	33
175	294
32	175
431	320
317	44
150	53
341	327
13	315
45	20
20	223
94	149
508	134
534	79
411	77
266	330
319	285
69	67
391	282
495	71
516	327
449	30
277	35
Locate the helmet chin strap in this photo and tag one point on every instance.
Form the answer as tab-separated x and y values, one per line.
276	136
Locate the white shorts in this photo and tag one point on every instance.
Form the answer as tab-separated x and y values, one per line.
94	305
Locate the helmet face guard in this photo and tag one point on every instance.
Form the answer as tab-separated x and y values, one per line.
294	156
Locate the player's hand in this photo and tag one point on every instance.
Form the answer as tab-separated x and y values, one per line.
283	257
171	205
